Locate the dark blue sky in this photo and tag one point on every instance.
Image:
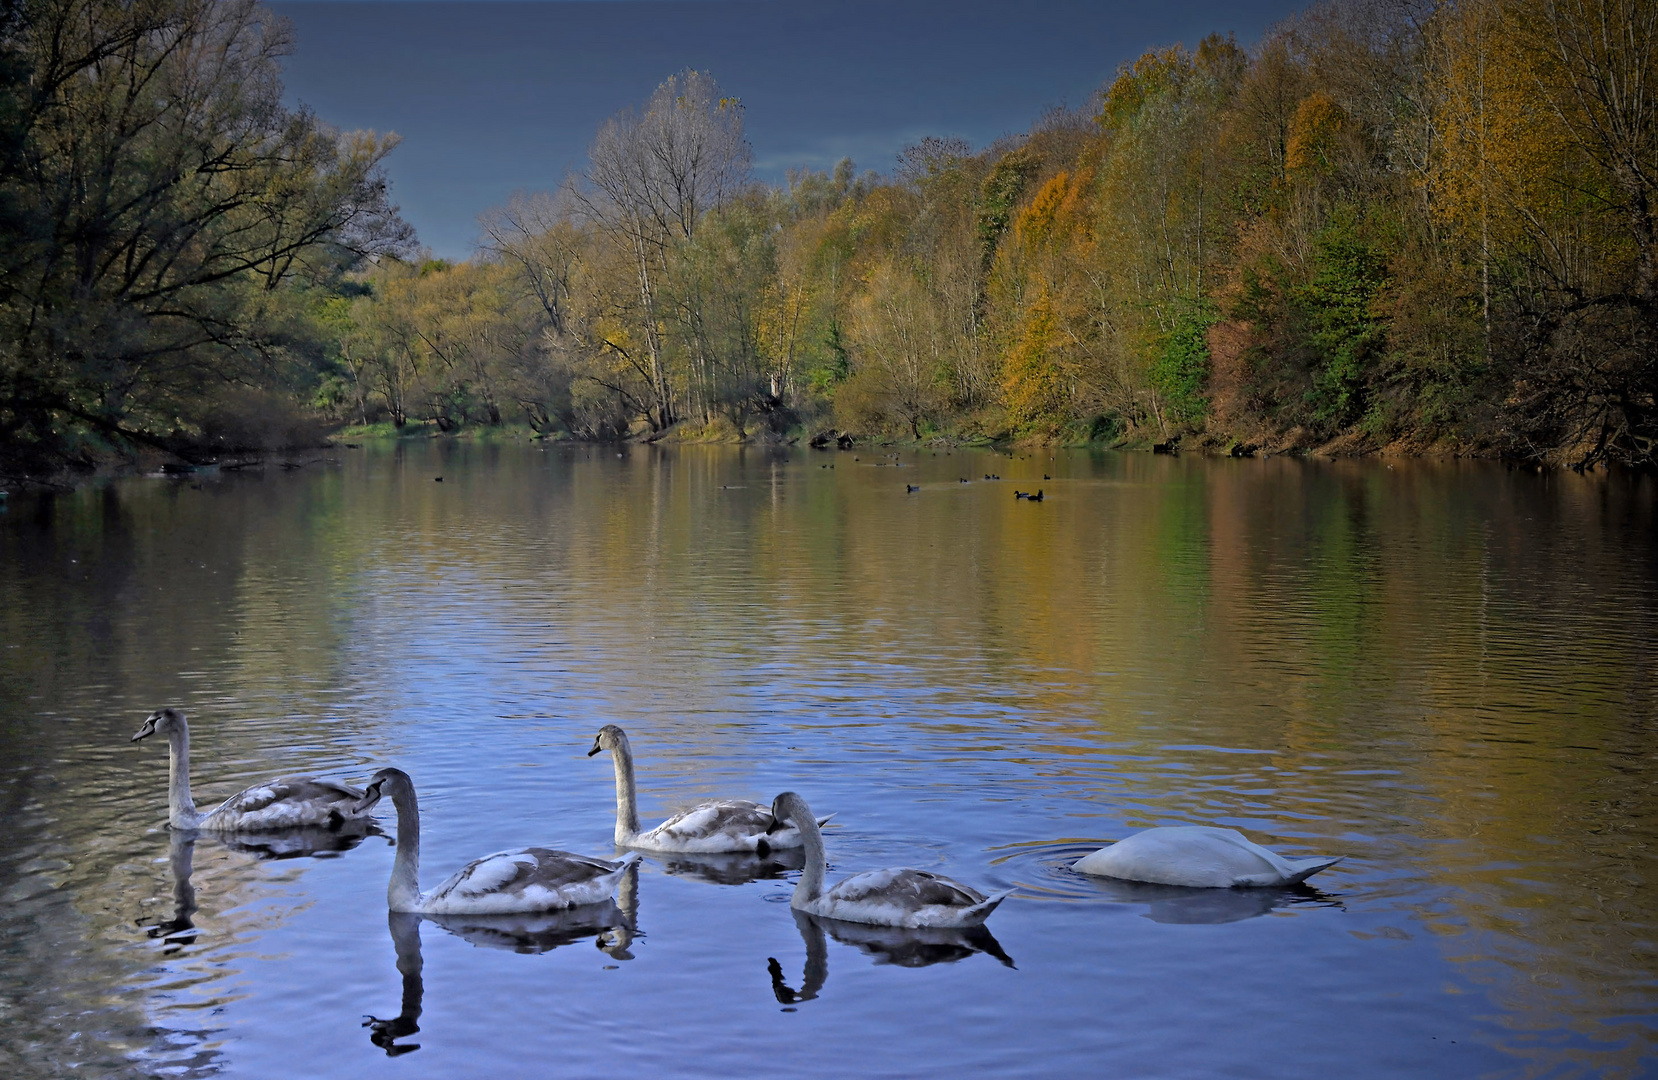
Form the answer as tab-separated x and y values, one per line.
495	97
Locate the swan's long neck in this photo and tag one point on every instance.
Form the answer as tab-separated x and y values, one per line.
181	808
403	893
627	807
817	863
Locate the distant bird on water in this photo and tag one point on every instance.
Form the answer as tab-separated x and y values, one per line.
437	479
1027	495
912	487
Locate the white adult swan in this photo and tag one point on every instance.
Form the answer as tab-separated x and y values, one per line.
898	897
714	826
286	803
505	883
1199	856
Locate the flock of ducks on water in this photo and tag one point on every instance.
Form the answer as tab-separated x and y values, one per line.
535	879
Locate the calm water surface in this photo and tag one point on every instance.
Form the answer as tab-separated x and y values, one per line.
1444	671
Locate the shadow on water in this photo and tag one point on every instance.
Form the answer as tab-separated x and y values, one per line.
180	929
384	1033
317	843
1179	905
898	946
733	867
613	925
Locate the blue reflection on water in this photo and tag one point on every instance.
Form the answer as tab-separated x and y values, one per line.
1400	665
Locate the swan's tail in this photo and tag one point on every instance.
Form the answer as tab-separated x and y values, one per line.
979	912
824	820
1306	868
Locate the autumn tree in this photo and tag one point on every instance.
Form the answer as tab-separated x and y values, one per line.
164	214
651	178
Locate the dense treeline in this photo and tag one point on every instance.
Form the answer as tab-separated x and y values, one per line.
1405	223
1428	224
168	229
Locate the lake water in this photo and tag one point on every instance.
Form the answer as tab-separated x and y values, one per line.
1444	671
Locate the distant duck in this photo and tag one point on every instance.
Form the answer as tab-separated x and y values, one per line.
505	883
716	825
896	897
965	480
1027	495
1045	476
287	803
1037	497
912	487
1199	856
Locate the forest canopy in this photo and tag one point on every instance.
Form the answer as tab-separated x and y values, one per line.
169	231
1427	226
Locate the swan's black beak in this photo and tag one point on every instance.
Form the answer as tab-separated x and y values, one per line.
777	825
596	748
371	796
147	730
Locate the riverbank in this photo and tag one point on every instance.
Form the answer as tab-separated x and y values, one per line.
105	462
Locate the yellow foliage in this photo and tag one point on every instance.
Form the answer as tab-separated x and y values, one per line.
1155	72
1505	162
1034	384
1314	134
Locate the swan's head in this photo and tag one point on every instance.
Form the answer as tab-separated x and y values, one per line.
788	807
161	722
610	737
387	783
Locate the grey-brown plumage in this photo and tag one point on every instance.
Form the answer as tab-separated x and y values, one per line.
901	896
288	802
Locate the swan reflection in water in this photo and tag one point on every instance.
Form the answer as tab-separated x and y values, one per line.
614	925
731	867
180	930
899	946
1179	905
311	842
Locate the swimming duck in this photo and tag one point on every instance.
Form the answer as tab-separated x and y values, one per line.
716	825
895	897
505	883
286	803
1198	856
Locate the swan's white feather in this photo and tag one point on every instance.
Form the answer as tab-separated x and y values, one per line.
525	880
905	897
287	803
718	825
1197	856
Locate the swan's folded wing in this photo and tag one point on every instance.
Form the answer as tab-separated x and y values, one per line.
525	879
728	817
288	802
907	889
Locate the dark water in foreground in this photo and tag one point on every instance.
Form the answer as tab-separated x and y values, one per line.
1445	671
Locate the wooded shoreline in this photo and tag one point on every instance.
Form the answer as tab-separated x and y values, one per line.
1389	227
